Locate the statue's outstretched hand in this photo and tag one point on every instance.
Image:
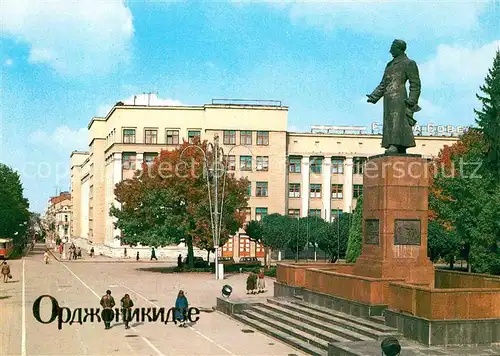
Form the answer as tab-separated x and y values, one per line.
370	99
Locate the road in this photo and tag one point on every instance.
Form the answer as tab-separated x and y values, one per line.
81	285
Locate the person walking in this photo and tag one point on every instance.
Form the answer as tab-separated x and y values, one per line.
125	252
181	309
127	305
137	257
153	254
107	303
46	257
179	261
262	283
92	252
6	272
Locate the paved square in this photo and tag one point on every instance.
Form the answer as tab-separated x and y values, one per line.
81	284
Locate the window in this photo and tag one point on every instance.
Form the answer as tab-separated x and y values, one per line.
335	214
294	164
245	163
294	190
172	137
261	190
151	136
149	158
193	135
294	213
128	160
359	164
249	189
315	190
66	218
246	137
316	165
337	192
315	212
260	213
229	137
231	163
262	138
337	166
357	190
262	163
248	214
129	136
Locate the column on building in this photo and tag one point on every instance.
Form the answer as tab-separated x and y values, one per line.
139	158
348	188
327	188
304	194
117	177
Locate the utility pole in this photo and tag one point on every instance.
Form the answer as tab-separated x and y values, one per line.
216	208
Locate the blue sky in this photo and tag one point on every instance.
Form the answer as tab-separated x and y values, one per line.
64	62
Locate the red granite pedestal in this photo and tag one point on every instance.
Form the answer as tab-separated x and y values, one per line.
395	219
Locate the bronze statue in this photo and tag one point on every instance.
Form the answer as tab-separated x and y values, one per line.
398	106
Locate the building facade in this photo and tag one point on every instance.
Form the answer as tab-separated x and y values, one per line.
313	173
59	217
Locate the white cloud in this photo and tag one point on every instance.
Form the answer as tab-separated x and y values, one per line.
141	99
460	66
62	138
8	62
402	19
73	37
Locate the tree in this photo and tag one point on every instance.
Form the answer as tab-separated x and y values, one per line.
168	202
14	213
355	240
333	238
255	232
297	231
488	118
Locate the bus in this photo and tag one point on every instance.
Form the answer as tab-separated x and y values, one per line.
6	248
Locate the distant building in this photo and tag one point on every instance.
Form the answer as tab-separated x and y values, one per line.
58	217
317	173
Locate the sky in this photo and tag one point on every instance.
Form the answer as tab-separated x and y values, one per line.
63	62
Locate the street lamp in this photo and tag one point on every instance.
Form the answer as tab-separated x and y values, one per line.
213	170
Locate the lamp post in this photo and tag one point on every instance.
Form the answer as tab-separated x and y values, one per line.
214	171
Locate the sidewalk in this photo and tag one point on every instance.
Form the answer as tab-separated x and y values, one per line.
105	259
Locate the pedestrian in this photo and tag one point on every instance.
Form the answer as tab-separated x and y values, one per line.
60	249
6	272
137	257
251	283
46	257
179	261
181	308
127	305
153	254
92	252
262	283
125	252
107	303
79	253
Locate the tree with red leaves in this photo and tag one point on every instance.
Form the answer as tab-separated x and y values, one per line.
168	202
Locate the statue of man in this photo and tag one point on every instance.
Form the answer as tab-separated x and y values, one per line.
398	106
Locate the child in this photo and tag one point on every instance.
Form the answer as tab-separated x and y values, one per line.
127	305
181	309
262	283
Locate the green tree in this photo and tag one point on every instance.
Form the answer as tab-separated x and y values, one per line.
168	203
355	240
488	118
14	213
333	238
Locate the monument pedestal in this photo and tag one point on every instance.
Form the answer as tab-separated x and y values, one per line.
395	219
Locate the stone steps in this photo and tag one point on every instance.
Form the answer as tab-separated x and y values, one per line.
377	319
360	328
295	342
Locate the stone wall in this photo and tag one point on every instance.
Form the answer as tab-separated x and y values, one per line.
455	279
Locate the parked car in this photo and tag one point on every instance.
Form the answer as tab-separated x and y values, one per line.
250	260
226	260
198	262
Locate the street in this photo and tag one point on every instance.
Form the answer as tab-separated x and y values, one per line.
82	284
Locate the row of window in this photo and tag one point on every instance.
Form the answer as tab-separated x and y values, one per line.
129	159
246	138
295	213
315	190
172	137
316	163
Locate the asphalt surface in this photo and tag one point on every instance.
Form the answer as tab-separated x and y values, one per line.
81	285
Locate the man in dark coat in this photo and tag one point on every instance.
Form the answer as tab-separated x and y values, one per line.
107	303
398	106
